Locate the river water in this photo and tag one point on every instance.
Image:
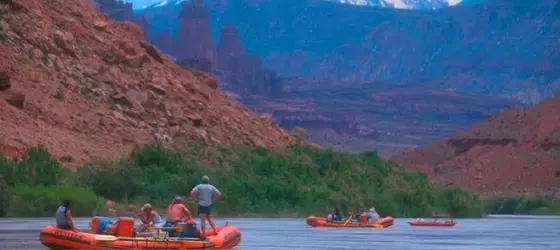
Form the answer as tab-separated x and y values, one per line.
495	232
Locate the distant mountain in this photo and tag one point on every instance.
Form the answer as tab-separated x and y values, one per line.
402	4
470	2
363	78
505	48
164	4
508	48
397	4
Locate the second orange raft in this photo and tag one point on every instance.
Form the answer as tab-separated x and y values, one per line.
322	222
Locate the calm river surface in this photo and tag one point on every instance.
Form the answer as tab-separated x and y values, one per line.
495	232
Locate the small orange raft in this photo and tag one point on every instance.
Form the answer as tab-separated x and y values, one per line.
419	223
322	222
227	236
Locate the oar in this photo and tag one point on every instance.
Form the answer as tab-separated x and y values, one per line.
176	227
348	220
99	237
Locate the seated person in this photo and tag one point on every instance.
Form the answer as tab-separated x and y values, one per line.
356	217
363	217
330	217
149	218
373	215
333	216
64	217
177	212
336	215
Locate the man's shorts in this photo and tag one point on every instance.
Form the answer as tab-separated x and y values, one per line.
204	209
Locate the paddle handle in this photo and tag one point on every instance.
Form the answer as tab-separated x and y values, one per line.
348	220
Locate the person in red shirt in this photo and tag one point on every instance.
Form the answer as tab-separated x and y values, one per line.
363	218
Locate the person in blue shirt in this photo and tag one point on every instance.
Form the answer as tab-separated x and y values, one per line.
64	217
373	215
205	195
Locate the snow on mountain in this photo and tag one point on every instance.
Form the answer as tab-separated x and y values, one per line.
402	4
164	3
397	4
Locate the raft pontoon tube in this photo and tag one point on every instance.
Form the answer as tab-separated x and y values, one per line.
227	236
417	223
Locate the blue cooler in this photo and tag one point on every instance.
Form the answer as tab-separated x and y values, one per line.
188	230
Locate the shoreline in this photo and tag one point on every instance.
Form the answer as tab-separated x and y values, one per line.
261	216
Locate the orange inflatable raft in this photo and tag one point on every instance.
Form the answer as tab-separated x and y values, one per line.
322	222
227	237
418	223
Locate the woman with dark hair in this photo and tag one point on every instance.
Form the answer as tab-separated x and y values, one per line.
64	216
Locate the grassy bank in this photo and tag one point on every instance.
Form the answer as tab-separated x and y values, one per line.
522	205
254	181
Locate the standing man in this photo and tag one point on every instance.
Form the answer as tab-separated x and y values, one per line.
205	195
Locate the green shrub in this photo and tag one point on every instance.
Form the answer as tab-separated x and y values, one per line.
37	167
522	205
297	179
5	197
459	203
111	180
258	180
43	201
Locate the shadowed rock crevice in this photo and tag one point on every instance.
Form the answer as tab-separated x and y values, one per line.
463	145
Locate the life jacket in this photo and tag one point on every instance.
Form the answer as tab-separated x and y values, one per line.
363	218
175	212
61	219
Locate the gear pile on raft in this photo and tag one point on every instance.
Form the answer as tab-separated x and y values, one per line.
178	231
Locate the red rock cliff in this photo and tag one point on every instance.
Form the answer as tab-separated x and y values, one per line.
84	85
516	152
230	47
194	38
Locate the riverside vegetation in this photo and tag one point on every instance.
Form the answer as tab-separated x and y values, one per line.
298	180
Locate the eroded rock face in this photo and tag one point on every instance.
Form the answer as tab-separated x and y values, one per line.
230	47
15	99
194	38
5	83
99	88
202	64
513	153
122	11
